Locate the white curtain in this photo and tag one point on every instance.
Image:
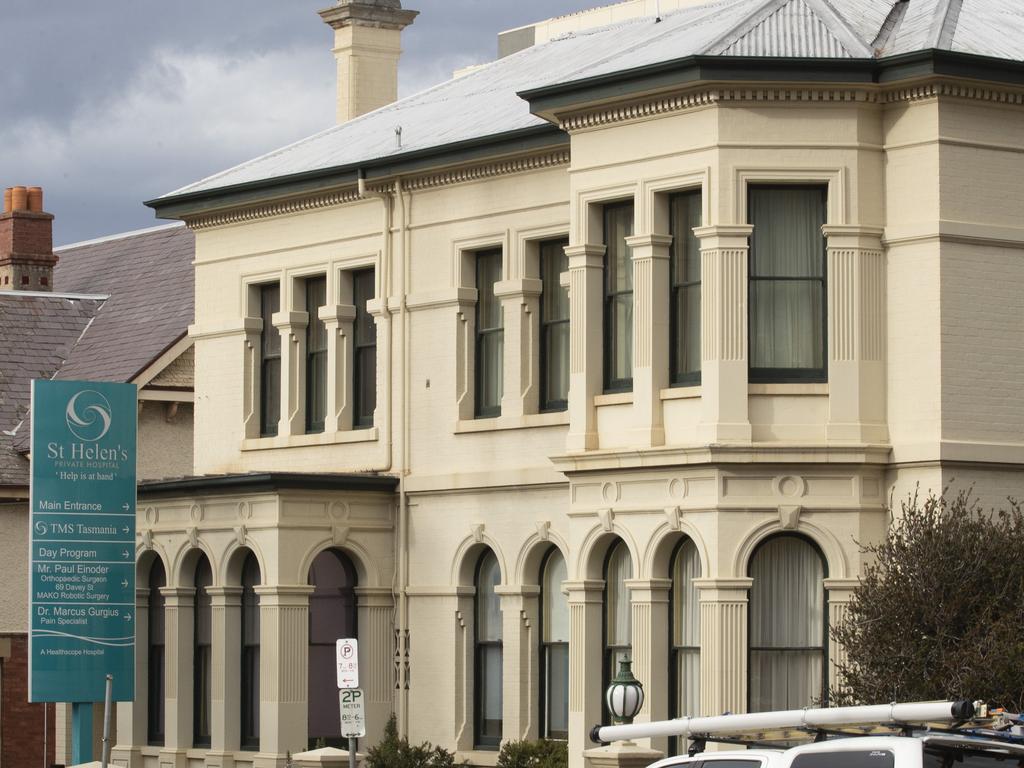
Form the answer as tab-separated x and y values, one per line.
787	320
619	289
556	606
490	335
489	633
619	569
685	215
787	625
686	629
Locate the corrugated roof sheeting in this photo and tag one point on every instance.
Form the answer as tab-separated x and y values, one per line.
485	102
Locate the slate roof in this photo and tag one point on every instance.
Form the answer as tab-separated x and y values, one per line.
150	279
485	103
122	302
37	333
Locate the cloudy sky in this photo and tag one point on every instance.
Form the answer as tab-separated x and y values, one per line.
111	102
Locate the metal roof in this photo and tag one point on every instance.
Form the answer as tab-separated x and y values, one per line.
485	103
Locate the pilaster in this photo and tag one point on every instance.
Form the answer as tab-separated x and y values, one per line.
723	644
226	676
132	722
376	606
650	254
292	326
520	303
338	321
519	606
724	347
252	328
840	593
856	334
585	660
179	618
586	269
284	670
649	604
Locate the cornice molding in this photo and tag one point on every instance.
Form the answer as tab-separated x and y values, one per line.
412	184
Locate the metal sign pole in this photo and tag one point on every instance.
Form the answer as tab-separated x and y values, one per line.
353	747
106	722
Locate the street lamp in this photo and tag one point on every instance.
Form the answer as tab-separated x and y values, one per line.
625	695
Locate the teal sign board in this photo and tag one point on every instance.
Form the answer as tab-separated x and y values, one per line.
82	593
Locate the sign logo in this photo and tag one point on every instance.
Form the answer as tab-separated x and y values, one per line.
88	415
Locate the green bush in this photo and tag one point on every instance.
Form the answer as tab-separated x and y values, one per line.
394	752
533	754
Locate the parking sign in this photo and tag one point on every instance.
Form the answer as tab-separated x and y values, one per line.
353	715
347	651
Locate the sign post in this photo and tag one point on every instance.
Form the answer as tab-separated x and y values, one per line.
82	550
350	696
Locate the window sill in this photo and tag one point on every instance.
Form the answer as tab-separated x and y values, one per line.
614	398
688	392
322	438
485	757
788	389
499	423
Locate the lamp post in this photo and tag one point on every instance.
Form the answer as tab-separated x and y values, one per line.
625	694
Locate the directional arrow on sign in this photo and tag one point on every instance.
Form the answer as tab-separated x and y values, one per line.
125	507
125	583
126	529
125	554
127	617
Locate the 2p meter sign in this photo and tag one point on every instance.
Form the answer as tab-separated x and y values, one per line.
82	550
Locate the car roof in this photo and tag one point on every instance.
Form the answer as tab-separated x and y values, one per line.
736	754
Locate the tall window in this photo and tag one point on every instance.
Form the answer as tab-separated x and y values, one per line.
618	298
202	658
316	355
155	667
554	327
270	361
617	615
787	625
684	275
332	615
490	335
250	649
684	641
488	653
787	283
554	655
364	357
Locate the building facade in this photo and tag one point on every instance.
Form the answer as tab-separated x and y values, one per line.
617	348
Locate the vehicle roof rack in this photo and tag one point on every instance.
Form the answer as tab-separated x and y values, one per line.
963	719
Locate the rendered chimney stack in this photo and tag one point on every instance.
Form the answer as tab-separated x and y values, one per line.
26	241
367	46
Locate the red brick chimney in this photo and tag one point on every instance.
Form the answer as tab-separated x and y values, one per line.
26	241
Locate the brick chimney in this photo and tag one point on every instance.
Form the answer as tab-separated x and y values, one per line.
367	45
26	241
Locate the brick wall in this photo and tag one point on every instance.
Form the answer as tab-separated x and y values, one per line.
21	723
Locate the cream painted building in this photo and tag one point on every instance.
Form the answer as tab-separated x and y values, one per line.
616	346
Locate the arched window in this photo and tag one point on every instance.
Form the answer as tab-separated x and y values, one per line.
250	648
487	653
684	637
332	616
787	625
617	615
202	657
155	669
554	653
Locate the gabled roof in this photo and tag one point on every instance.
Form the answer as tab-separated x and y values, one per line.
485	103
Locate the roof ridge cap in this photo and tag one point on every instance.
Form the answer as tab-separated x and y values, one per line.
119	236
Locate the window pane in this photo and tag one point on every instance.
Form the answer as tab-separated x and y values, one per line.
554	326
366	386
270	303
685	270
619	569
250	649
785	679
556	369
488	607
489	336
787	324
362	292
621	338
618	309
687	682
316	355
555	604
787	239
155	665
618	222
553	262
270	362
556	667
365	359
490	693
488	306
685	596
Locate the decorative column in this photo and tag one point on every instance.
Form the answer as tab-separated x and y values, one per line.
179	634
723	317
856	334
375	607
723	644
226	673
840	592
292	326
650	617
585	664
586	270
650	255
338	320
521	674
520	305
132	717
284	668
